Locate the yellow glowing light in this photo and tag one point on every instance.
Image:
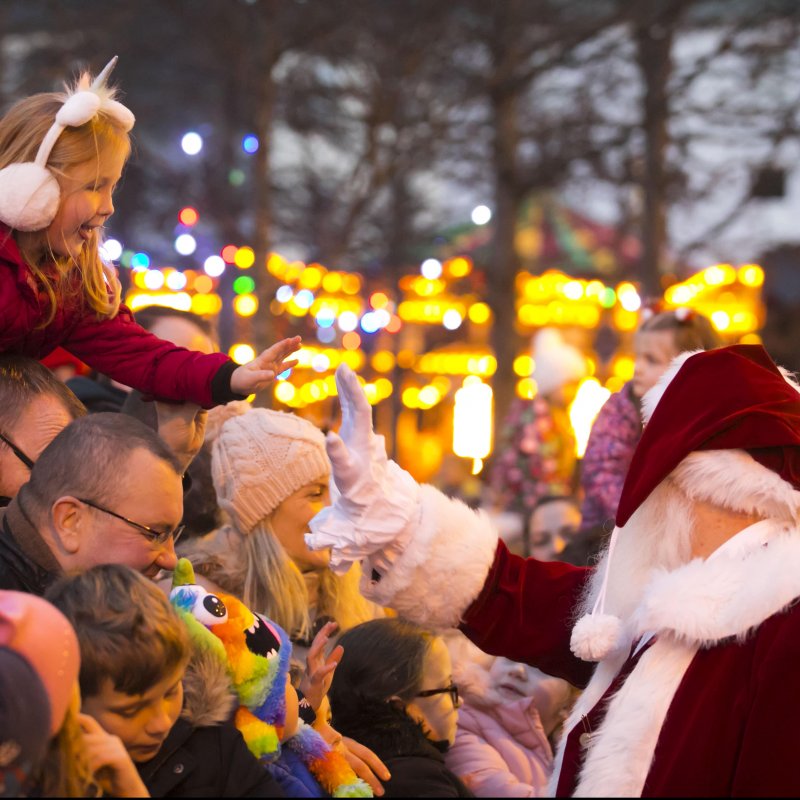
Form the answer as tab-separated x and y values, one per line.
472	420
378	300
177	300
479	313
351	284
332	282
523	365
750	338
624	367
245	305
527	388
310	278
614	383
371	393
406	359
276	265
721	320
573	290
206	304
410	397
751	275
583	411
428	396
242	353
384	387
458	267
285	392
383	361
245	257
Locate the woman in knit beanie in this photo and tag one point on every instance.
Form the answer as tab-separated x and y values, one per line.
271	475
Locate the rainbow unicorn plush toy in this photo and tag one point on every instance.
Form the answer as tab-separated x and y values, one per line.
256	653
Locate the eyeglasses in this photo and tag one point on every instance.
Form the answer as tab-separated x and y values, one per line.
452	690
156	537
28	462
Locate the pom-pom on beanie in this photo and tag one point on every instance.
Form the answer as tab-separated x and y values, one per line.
261	457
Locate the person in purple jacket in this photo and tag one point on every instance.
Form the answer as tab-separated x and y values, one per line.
61	157
618	427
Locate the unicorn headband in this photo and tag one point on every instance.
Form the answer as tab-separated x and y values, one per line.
29	191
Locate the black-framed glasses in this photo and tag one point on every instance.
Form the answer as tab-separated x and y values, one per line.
28	462
452	690
156	537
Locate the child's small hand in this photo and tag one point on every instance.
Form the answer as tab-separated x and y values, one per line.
319	669
109	761
262	370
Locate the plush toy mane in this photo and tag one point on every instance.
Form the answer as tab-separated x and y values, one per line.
259	681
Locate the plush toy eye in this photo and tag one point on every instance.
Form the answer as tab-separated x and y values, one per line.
210	610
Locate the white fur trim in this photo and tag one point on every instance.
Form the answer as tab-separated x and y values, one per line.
734	480
596	636
621	749
727	595
29	196
444	566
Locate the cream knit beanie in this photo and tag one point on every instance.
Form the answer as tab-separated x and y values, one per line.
262	456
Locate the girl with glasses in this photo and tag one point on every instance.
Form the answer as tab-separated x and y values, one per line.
393	691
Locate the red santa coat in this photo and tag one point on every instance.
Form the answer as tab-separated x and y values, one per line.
117	347
709	707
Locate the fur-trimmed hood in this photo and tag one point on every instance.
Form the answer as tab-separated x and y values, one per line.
207	695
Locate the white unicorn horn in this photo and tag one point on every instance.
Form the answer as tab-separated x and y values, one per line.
101	79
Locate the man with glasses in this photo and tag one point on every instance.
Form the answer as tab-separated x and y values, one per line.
107	490
34	407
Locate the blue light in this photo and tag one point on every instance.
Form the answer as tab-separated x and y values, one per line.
304	298
250	143
326	335
369	322
140	260
284	294
282	376
326	317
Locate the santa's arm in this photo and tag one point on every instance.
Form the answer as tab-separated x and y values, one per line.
432	558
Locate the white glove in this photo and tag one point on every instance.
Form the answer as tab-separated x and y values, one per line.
376	503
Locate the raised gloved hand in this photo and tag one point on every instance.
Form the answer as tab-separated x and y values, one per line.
375	502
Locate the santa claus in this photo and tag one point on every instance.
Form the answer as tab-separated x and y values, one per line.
686	636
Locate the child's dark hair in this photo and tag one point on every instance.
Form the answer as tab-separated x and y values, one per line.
383	658
127	630
692	331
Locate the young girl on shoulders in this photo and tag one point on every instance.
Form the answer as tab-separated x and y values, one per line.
61	157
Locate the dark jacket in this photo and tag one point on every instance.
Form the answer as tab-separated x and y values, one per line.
117	347
206	762
416	764
26	562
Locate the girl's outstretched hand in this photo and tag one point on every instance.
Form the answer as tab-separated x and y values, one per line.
319	668
265	367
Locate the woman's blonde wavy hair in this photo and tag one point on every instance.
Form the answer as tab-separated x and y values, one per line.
22	130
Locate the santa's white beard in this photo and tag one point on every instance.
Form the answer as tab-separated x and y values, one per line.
657	536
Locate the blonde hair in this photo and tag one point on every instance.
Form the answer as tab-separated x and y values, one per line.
255	567
22	130
65	770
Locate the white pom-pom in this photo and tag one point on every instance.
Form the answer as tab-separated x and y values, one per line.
29	196
596	636
78	109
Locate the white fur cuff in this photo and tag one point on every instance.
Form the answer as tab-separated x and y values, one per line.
444	566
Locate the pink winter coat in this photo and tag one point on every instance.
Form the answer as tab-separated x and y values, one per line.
118	347
502	751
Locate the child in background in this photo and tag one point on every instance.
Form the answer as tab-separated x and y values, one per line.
61	157
134	653
43	751
393	691
618	426
511	715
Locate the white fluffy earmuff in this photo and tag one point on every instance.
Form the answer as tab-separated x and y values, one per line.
29	192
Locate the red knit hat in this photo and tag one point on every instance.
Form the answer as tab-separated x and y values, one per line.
731	398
